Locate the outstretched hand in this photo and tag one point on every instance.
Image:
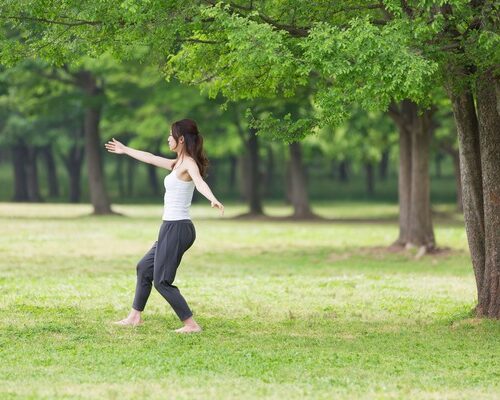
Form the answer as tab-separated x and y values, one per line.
218	205
114	146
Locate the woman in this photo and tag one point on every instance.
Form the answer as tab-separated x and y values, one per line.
177	232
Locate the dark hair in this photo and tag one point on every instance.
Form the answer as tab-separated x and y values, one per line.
193	142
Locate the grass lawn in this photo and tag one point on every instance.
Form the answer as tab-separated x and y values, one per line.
290	310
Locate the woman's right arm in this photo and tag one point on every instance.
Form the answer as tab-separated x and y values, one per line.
114	146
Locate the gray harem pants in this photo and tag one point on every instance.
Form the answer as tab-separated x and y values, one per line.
160	264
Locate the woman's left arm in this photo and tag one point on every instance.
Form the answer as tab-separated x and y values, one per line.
202	187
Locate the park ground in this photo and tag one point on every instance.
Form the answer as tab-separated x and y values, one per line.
290	310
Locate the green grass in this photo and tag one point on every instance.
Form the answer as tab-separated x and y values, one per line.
290	310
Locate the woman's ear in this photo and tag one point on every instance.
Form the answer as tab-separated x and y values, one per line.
181	139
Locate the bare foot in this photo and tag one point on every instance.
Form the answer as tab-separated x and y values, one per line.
189	329
128	322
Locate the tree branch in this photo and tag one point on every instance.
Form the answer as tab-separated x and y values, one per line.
76	22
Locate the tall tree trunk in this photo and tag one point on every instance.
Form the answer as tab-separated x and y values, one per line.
472	185
19	160
458	180
120	179
153	179
32	175
489	144
404	183
233	166
421	229
299	193
384	165
479	142
98	194
75	174
73	163
53	181
449	149
254	195
369	179
249	164
269	173
437	161
344	171
415	222
131	163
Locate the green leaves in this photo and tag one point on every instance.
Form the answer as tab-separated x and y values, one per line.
237	57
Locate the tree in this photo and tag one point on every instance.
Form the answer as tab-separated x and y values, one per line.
350	52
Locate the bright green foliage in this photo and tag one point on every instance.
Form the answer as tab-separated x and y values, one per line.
346	52
29	101
246	60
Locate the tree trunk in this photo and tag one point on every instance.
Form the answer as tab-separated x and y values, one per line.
98	194
344	171
19	160
119	175
250	168
51	171
153	179
384	165
415	222
370	179
73	163
421	229
404	183
489	144
269	173
75	174
130	176
458	182
254	195
472	185
233	165
437	161
32	175
298	184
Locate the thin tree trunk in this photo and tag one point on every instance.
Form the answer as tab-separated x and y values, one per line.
344	171
472	185
254	195
75	174
384	165
458	180
73	163
131	163
32	175
233	166
455	156
98	194
489	143
269	173
120	176
437	161
51	171
370	179
153	179
299	193
19	160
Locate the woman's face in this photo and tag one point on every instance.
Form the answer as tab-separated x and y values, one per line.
172	143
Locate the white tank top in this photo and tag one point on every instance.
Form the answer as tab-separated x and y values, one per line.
177	199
